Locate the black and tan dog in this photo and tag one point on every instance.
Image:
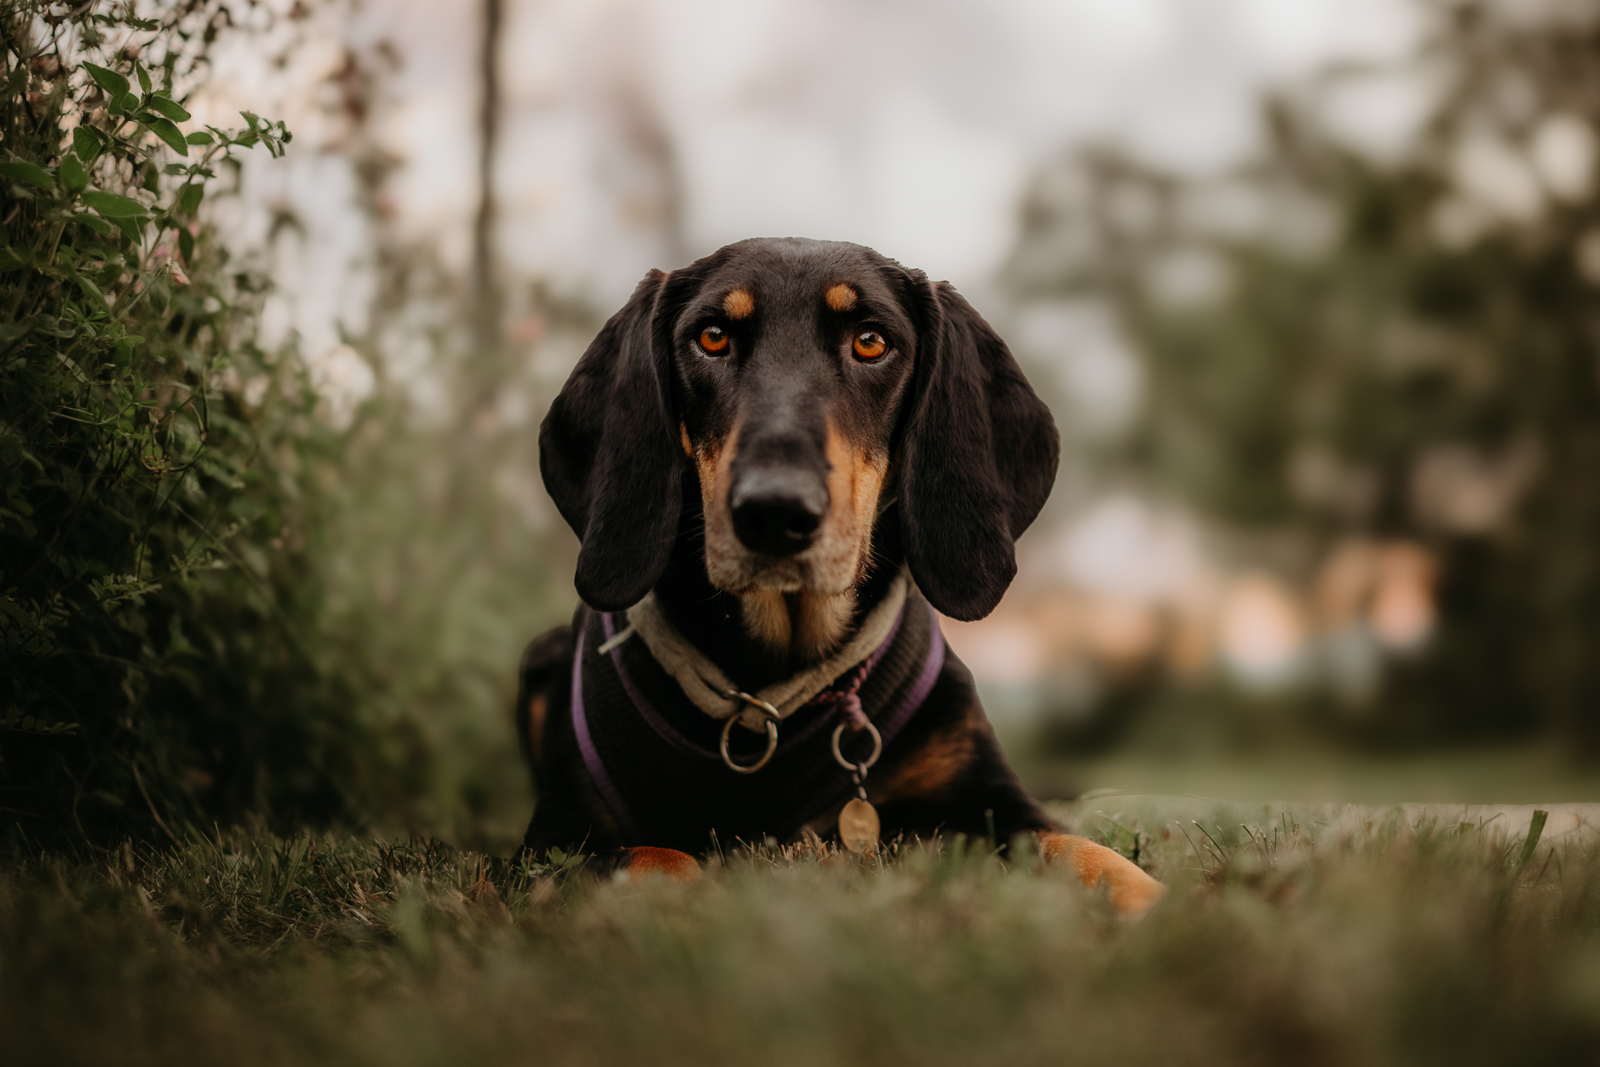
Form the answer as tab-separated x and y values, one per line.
776	459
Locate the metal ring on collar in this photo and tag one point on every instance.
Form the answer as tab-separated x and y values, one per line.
877	746
772	731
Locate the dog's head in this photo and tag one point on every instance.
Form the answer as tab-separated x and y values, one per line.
811	384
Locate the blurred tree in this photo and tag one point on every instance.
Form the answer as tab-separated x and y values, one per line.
1348	338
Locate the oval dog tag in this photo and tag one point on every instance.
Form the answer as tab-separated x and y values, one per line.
858	826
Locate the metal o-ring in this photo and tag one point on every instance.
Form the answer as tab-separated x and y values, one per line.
772	732
877	746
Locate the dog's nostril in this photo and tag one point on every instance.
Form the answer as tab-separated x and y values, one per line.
778	519
803	524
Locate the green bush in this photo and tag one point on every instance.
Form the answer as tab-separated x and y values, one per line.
152	517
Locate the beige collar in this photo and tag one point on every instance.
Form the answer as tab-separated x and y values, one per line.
704	683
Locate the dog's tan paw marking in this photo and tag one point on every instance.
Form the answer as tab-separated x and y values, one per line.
679	866
1132	891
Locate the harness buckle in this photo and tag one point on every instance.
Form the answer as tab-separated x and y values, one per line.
877	747
772	720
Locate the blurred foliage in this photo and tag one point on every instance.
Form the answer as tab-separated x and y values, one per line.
154	668
1384	341
429	582
436	554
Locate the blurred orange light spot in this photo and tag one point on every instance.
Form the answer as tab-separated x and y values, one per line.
1262	629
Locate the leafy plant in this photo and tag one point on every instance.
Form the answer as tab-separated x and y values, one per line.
150	664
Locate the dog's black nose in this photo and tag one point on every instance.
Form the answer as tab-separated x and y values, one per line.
777	512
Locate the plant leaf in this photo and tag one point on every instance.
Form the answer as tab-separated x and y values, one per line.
72	174
113	83
95	223
144	76
167	107
133	226
113	206
88	287
200	137
32	173
189	198
87	142
169	133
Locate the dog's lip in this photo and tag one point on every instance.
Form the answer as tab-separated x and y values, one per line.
790	574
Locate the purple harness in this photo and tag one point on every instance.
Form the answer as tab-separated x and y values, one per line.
932	663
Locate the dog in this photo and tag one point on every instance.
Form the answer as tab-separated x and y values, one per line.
780	460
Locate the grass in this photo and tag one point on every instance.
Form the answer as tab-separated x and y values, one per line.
1290	936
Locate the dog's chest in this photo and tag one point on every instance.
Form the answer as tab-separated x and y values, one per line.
654	757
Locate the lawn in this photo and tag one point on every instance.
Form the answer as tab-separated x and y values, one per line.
1290	935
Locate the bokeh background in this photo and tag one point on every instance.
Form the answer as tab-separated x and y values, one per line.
1307	284
1310	286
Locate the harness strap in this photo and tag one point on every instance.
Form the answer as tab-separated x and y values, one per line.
591	755
707	687
664	729
846	697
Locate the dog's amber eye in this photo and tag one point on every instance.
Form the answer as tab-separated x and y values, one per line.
713	339
870	344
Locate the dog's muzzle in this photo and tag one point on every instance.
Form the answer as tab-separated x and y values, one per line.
777	511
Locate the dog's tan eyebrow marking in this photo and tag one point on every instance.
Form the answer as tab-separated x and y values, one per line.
739	304
840	297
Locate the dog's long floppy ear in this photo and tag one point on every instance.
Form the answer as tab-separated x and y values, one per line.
979	457
610	457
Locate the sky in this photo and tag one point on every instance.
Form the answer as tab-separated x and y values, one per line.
642	133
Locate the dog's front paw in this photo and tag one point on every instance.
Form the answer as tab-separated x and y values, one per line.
1132	891
679	866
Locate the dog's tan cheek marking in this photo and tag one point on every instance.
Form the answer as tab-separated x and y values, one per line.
869	474
683	436
739	304
820	618
713	461
841	485
708	464
840	297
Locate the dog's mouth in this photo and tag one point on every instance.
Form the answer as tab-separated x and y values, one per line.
794	574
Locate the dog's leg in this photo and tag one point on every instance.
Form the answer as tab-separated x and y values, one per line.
1132	891
669	862
679	866
546	664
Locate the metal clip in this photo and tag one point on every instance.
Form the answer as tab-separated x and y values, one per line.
773	718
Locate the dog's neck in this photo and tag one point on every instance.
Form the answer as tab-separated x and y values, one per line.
763	637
